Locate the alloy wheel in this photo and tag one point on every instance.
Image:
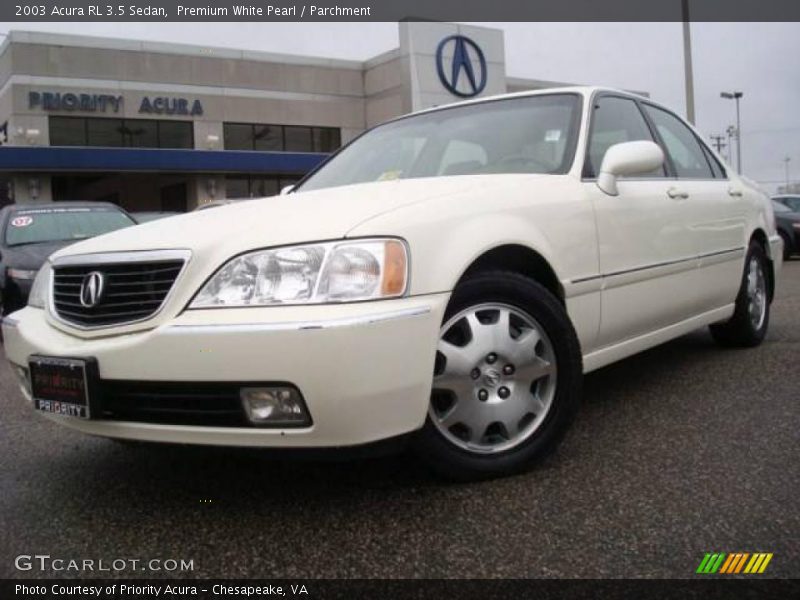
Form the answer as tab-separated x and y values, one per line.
494	378
756	293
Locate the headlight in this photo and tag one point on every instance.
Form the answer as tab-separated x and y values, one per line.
21	273
796	225
40	287
343	271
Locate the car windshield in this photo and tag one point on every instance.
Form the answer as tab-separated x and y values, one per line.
780	207
792	203
36	226
535	134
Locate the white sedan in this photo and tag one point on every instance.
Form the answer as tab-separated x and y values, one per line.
447	278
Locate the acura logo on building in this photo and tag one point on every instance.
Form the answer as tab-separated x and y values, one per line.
467	57
92	289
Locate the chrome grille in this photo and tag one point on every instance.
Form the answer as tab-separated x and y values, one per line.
133	291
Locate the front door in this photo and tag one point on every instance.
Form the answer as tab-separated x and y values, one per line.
647	254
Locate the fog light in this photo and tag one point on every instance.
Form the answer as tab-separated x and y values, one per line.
24	381
275	406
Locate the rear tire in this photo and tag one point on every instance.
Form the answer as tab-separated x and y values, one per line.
511	385
748	325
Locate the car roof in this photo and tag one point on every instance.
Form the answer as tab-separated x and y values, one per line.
63	204
583	90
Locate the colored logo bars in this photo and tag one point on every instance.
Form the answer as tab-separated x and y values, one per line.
734	562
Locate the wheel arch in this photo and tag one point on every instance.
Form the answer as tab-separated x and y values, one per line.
759	236
517	258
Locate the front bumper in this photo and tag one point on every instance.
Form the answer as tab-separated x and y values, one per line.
364	369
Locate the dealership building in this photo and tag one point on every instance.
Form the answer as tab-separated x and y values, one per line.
158	126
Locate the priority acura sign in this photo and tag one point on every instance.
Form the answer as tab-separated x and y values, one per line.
74	102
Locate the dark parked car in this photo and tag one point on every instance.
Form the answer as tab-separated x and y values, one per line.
790	200
32	232
788	225
147	216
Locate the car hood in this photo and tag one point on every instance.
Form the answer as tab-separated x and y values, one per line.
30	256
295	218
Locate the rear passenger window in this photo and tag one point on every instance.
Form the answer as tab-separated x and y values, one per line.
615	120
681	144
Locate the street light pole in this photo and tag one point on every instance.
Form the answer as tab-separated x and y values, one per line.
736	96
730	131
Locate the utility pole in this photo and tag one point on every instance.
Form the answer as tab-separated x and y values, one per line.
717	142
687	62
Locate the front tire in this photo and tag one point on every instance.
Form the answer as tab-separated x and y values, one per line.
748	325
507	379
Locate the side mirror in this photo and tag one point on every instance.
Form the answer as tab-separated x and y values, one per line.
287	189
628	158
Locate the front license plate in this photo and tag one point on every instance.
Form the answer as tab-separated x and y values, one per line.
60	385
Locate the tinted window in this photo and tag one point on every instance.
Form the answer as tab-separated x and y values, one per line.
615	120
267	138
140	133
175	134
681	145
297	139
255	186
278	138
46	225
264	186
521	135
326	139
237	187
67	131
238	136
104	132
132	133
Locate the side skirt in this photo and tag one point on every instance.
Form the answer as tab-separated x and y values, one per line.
609	354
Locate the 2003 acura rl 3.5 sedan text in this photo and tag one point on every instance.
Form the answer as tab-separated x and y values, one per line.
449	275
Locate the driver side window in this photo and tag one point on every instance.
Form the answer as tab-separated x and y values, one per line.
615	120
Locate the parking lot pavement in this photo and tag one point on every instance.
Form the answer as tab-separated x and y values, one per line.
682	450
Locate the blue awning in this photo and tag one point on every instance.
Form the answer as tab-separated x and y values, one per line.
60	158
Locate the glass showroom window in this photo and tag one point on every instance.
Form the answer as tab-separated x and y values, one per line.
256	185
67	131
113	133
280	138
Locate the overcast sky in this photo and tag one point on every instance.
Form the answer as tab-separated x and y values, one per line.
760	59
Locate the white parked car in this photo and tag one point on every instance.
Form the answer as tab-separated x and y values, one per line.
450	275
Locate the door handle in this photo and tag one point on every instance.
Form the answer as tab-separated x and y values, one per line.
676	193
734	191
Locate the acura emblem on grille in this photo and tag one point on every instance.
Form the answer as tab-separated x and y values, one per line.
92	289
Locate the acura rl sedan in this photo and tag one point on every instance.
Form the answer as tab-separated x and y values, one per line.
446	279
